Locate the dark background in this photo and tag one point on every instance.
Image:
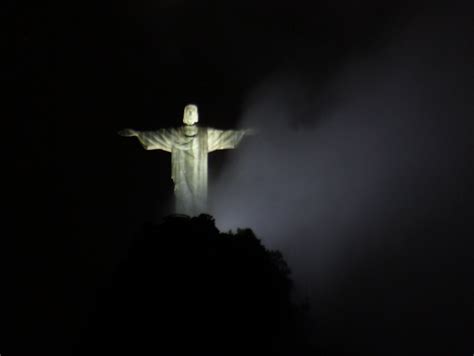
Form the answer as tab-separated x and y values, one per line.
81	192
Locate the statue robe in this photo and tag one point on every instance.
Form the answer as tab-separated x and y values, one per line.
189	160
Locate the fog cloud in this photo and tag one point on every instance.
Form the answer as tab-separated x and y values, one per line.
374	146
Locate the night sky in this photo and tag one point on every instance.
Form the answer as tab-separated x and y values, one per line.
361	173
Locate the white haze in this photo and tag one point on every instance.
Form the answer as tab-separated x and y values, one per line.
332	163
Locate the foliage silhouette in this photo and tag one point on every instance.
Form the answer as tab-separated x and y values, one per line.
188	289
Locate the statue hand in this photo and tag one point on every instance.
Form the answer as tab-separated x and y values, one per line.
128	133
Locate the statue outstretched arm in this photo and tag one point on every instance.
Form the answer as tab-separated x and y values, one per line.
128	133
152	140
250	132
225	139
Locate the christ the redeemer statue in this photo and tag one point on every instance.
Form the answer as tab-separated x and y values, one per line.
189	146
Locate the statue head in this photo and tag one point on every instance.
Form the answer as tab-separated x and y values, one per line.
190	116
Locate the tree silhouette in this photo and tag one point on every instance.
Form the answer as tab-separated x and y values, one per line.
188	289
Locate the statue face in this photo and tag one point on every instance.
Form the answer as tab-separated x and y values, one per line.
191	116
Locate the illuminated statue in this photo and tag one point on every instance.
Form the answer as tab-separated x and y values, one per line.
189	146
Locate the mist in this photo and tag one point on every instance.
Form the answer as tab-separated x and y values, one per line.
344	167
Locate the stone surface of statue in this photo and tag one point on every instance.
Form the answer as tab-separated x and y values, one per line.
189	146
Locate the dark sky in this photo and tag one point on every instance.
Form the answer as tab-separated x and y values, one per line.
361	173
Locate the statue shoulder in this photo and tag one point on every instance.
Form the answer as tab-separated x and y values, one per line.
172	131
